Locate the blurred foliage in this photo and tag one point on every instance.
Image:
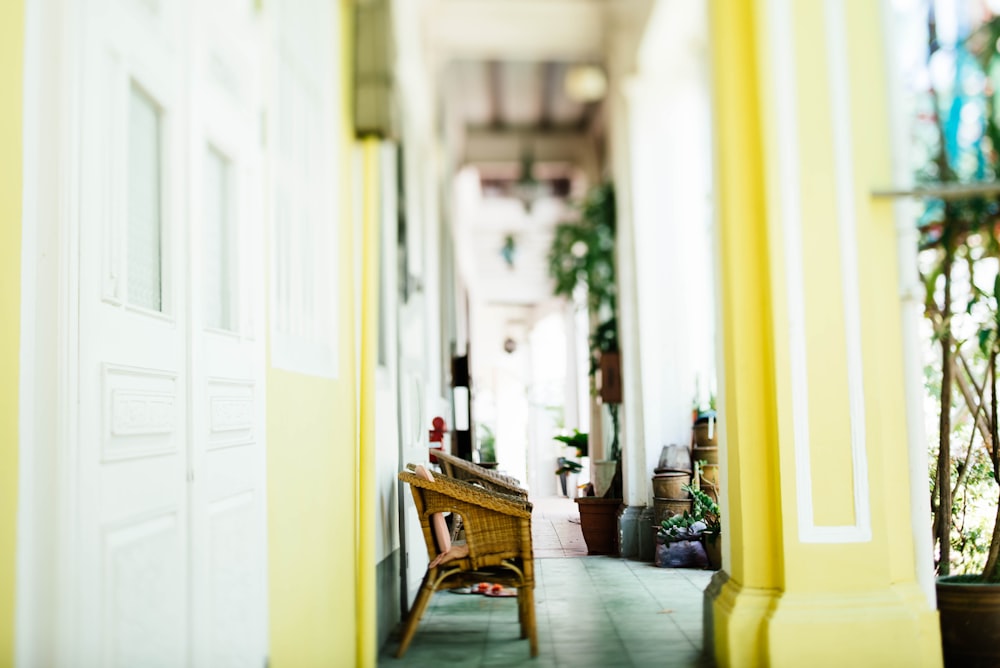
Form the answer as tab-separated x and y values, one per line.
583	251
578	440
958	133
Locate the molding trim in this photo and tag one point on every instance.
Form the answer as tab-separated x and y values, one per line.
791	222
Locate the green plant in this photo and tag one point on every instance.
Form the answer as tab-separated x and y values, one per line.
568	466
487	444
578	440
583	251
703	518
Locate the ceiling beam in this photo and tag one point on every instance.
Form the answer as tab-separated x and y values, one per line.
549	91
494	88
488	145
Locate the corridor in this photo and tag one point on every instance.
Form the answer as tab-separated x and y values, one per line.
592	611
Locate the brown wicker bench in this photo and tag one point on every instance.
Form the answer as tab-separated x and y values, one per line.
498	536
462	469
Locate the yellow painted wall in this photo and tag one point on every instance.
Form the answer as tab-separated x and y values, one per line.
11	61
321	592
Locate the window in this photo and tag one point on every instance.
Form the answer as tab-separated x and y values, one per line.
220	244
305	221
144	254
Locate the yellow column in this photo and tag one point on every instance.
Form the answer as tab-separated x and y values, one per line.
821	568
367	650
750	509
11	64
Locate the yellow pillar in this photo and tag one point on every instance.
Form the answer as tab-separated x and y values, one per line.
11	63
821	568
367	649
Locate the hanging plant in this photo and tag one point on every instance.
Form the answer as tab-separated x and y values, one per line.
583	251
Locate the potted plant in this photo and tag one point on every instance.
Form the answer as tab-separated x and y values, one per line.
578	439
566	468
487	447
583	253
701	531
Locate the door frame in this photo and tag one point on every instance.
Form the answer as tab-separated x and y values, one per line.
49	356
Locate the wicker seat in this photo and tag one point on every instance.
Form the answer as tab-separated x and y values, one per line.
462	469
498	536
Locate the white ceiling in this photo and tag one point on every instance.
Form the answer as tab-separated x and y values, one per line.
502	66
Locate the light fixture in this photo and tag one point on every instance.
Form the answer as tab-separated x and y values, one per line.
528	189
509	345
585	83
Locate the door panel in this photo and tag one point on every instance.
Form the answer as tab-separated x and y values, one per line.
228	619
130	524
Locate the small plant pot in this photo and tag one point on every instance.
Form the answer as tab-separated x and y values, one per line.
705	435
707	454
713	548
670	484
710	474
664	508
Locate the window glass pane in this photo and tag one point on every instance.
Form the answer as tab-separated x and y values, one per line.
219	255
144	210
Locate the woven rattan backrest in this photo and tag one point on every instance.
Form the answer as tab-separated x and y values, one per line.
462	469
498	526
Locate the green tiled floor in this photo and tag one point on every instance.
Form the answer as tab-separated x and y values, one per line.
591	611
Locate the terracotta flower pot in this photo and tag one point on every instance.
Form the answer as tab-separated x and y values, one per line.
599	522
669	484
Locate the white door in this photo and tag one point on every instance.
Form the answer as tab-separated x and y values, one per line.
224	179
166	542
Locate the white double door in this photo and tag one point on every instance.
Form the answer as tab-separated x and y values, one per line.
166	533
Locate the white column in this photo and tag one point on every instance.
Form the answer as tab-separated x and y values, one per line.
631	415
